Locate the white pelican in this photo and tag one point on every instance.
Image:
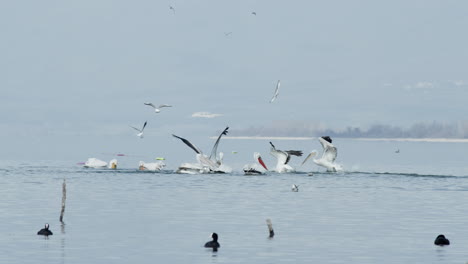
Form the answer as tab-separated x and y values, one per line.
295	188
157	109
153	166
140	131
211	164
254	168
276	92
328	156
95	163
283	158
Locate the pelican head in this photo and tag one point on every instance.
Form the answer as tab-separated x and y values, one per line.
259	159
141	165
113	164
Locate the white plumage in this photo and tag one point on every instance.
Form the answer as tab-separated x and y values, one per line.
283	158
328	156
255	168
95	163
152	166
157	109
140	131
275	95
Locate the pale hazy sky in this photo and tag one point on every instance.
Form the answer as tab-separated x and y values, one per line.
81	70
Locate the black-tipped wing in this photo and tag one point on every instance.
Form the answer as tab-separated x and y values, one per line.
150	104
292	152
144	125
272	145
135	128
197	150
215	146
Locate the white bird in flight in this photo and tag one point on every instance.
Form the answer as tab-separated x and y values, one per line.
140	131
158	109
276	92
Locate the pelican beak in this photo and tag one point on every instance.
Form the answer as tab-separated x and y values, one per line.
262	163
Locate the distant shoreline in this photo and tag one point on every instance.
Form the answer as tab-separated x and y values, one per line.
446	140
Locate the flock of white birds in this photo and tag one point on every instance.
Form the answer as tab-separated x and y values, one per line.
214	162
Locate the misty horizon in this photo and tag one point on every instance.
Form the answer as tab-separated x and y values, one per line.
433	129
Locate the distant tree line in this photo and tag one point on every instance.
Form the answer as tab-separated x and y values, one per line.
301	129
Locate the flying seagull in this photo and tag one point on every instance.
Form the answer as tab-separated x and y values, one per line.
227	33
254	13
276	92
140	134
172	8
158	109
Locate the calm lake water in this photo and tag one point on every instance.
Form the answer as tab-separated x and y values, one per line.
386	207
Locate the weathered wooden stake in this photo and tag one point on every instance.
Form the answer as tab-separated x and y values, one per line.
270	228
64	197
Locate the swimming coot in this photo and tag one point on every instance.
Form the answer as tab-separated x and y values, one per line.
45	231
213	243
441	241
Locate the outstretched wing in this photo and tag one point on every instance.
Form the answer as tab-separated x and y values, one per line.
276	92
135	128
325	142
215	146
329	151
144	125
165	105
281	156
197	150
150	104
292	152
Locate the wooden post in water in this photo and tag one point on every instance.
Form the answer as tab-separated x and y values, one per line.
270	228
64	197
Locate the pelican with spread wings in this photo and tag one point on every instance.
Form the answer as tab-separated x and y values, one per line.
211	164
328	156
283	157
